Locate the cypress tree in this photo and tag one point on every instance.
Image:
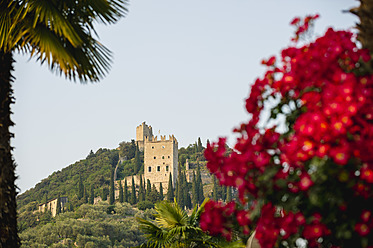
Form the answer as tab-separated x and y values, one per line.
137	161
148	190
215	189
170	191
200	148
104	194
201	197
194	190
154	195
141	191
58	207
125	191
85	196
111	192
92	196
180	193
161	192
195	148
223	192
133	192
46	201
80	188
186	195
120	192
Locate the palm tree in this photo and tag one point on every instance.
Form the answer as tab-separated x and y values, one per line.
174	228
60	33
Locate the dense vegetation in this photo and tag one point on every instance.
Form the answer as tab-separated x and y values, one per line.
100	225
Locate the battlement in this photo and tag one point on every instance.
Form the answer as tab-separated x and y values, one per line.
162	139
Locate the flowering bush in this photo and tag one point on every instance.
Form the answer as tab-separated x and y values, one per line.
313	178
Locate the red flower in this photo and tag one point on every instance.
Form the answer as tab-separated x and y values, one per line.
305	181
362	229
365	215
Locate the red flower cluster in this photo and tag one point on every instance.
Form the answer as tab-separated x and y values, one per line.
215	218
366	223
326	98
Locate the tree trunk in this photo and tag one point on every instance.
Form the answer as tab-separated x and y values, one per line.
8	205
365	27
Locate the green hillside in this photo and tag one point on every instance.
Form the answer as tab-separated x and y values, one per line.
99	225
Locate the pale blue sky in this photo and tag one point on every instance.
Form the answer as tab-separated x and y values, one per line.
184	67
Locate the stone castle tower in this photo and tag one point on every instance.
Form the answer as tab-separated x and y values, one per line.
143	131
160	156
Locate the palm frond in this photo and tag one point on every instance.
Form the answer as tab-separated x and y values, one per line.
157	238
170	215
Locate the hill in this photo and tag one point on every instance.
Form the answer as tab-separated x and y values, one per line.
99	225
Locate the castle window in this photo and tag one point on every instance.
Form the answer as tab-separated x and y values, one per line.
149	169
163	162
155	157
166	167
158	168
168	156
162	157
162	146
152	147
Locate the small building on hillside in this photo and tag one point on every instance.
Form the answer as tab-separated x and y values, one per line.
52	205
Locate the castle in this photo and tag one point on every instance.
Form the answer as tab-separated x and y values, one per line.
160	156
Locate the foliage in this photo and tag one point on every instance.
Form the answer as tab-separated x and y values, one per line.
142	205
314	180
173	227
94	171
170	191
89	223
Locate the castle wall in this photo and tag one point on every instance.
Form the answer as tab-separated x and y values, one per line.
143	131
52	205
160	159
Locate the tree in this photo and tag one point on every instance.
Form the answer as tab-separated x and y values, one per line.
111	192
148	190
137	161
170	190
161	192
92	195
365	27
199	144
46	201
201	196
85	195
180	190
121	199
60	35
133	199
104	193
80	188
141	190
153	195
58	207
194	191
215	196
125	191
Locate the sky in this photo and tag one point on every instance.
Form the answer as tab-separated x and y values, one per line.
184	67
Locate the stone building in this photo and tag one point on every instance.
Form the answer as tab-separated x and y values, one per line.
52	205
161	159
143	131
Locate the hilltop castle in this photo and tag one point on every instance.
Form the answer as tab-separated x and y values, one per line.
160	156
